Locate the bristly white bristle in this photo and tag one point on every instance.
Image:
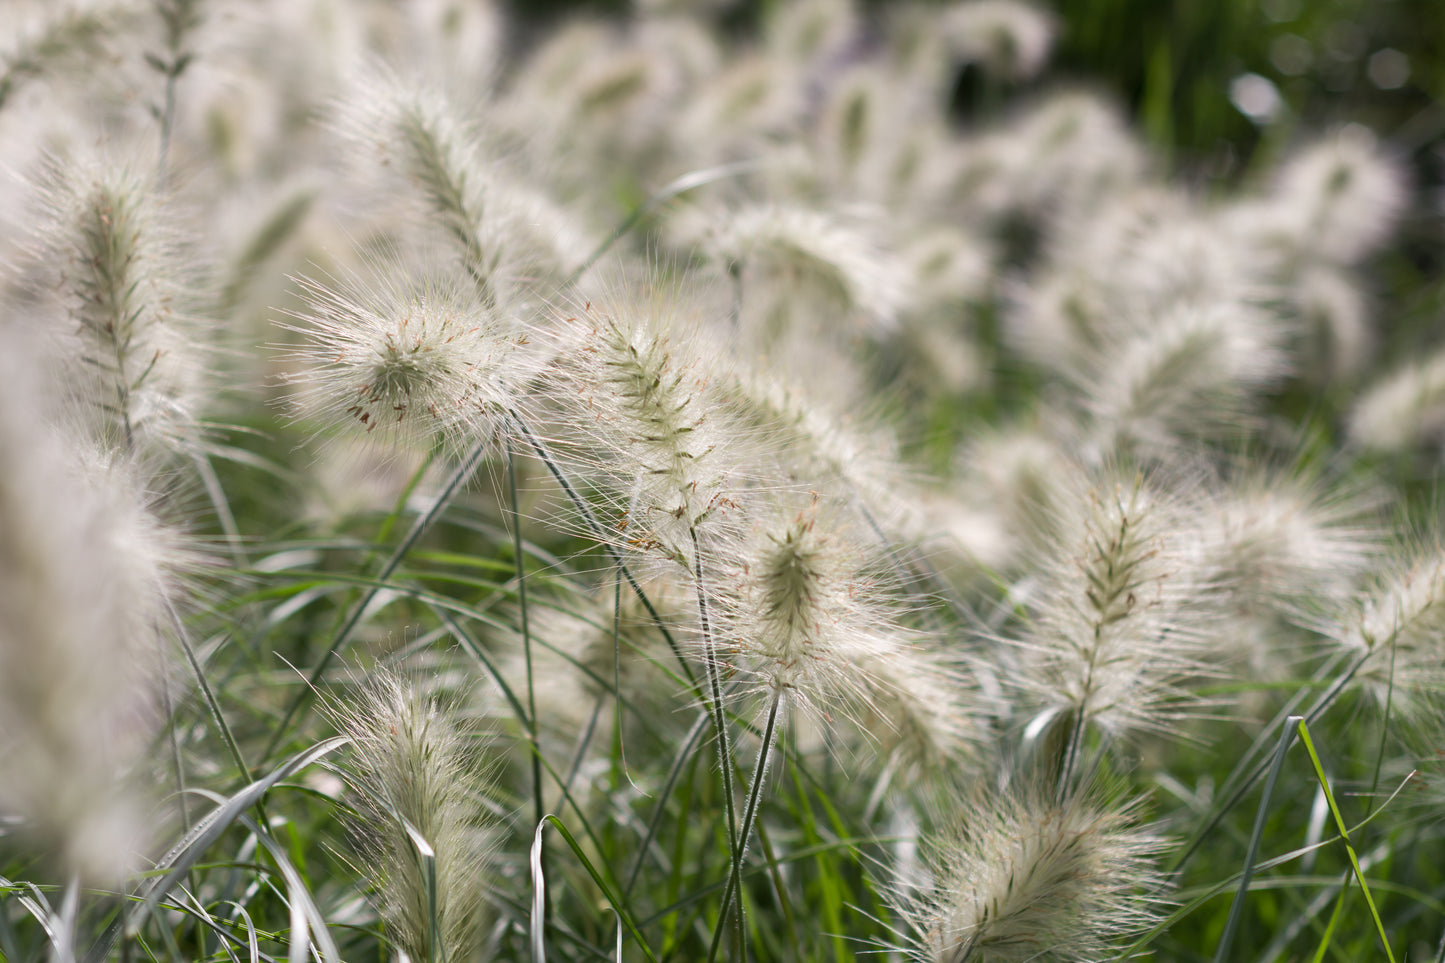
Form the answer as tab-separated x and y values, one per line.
416	773
409	358
132	362
638	377
1023	879
1396	627
801	614
1123	611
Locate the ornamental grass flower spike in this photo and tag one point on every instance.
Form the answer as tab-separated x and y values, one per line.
803	615
1023	880
1123	611
408	358
420	800
137	371
88	585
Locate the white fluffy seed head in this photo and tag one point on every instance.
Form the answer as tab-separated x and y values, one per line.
88	585
1403	410
1396	626
1340	198
414	770
1193	375
134	366
408	358
1025	879
1283	544
801	612
806	269
1007	38
506	234
638	381
1123	611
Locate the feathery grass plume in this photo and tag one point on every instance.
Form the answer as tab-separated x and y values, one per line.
810	31
1007	38
1023	879
1066	153
595	96
87	583
922	711
508	235
801	613
1113	269
1340	198
138	369
1336	341
40	38
823	449
1396	627
805	272
1403	411
414	357
744	111
1122	611
874	139
1281	541
638	377
1012	485
418	781
1194	375
462	42
1282	549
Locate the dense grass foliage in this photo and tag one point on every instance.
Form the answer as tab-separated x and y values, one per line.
701	481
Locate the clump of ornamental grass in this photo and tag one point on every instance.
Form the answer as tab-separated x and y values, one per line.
411	357
1023	878
420	819
137	366
88	596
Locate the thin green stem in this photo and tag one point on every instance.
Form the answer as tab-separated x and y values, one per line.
715	706
734	883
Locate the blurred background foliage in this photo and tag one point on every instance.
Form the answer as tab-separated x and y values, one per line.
1221	90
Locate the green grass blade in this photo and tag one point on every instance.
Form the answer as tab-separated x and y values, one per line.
607	893
1237	910
1345	835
